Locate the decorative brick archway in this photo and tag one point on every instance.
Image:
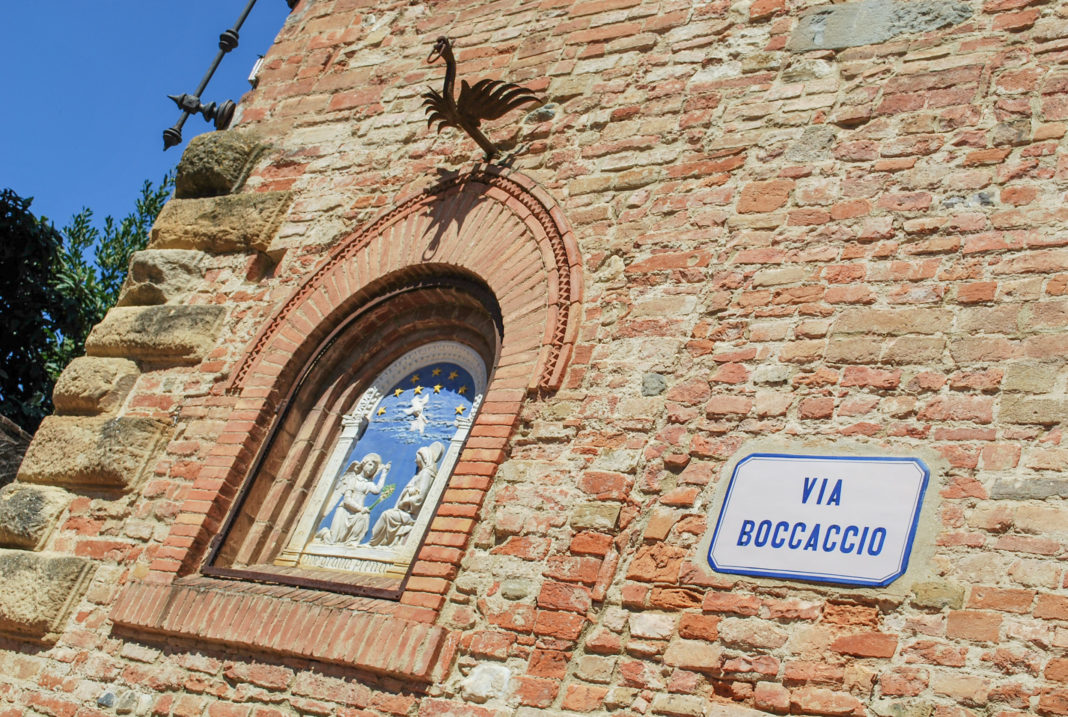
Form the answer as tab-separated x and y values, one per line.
491	224
499	225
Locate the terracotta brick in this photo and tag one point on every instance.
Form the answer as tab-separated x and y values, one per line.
870	644
764	196
762	9
536	692
1005	600
561	596
584	698
565	626
1052	607
973	625
1054	702
699	627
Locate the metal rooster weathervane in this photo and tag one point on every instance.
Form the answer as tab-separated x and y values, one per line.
484	100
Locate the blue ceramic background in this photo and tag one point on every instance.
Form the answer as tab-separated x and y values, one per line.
390	434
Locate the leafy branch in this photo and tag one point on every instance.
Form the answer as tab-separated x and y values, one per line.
56	286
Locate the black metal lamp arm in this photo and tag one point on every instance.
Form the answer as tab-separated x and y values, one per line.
191	104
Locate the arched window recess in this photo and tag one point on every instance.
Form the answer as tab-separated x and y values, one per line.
345	490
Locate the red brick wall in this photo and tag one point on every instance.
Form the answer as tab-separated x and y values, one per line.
864	244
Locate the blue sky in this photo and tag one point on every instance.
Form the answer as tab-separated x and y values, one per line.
86	85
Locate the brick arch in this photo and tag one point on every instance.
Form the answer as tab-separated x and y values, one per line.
495	224
491	225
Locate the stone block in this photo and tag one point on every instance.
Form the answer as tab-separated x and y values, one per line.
1030	377
1043	411
91	385
1015	487
37	592
870	22
485	682
515	588
894	321
653	384
595	516
814	145
217	163
914	350
562	89
28	514
98	452
158	276
217	225
679	705
936	595
170	334
751	633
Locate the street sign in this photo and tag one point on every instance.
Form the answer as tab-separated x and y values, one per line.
838	519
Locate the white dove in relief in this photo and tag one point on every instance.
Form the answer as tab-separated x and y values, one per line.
416	412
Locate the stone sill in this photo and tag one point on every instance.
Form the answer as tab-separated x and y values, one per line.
331	629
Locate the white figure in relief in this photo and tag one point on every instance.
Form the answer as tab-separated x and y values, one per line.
393	526
416	412
352	517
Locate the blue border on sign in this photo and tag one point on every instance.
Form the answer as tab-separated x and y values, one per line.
826	577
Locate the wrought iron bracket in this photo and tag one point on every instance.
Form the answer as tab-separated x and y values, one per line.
221	114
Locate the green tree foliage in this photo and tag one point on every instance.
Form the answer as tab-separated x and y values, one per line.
34	314
55	285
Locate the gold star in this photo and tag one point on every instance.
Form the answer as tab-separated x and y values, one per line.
463	390
414	378
437	388
418	389
453	375
398	392
381	411
436	372
460	410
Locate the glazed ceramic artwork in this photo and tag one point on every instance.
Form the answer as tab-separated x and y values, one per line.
371	506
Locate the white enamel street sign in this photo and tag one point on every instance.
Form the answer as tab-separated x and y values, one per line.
836	519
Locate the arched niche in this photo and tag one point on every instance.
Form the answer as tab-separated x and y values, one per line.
497	225
492	235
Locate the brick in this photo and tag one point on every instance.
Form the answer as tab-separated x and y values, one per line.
584	698
870	644
536	692
699	627
973	625
693	655
730	603
966	689
764	196
1002	599
561	596
548	663
903	682
1051	607
565	626
1057	670
771	697
1053	702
